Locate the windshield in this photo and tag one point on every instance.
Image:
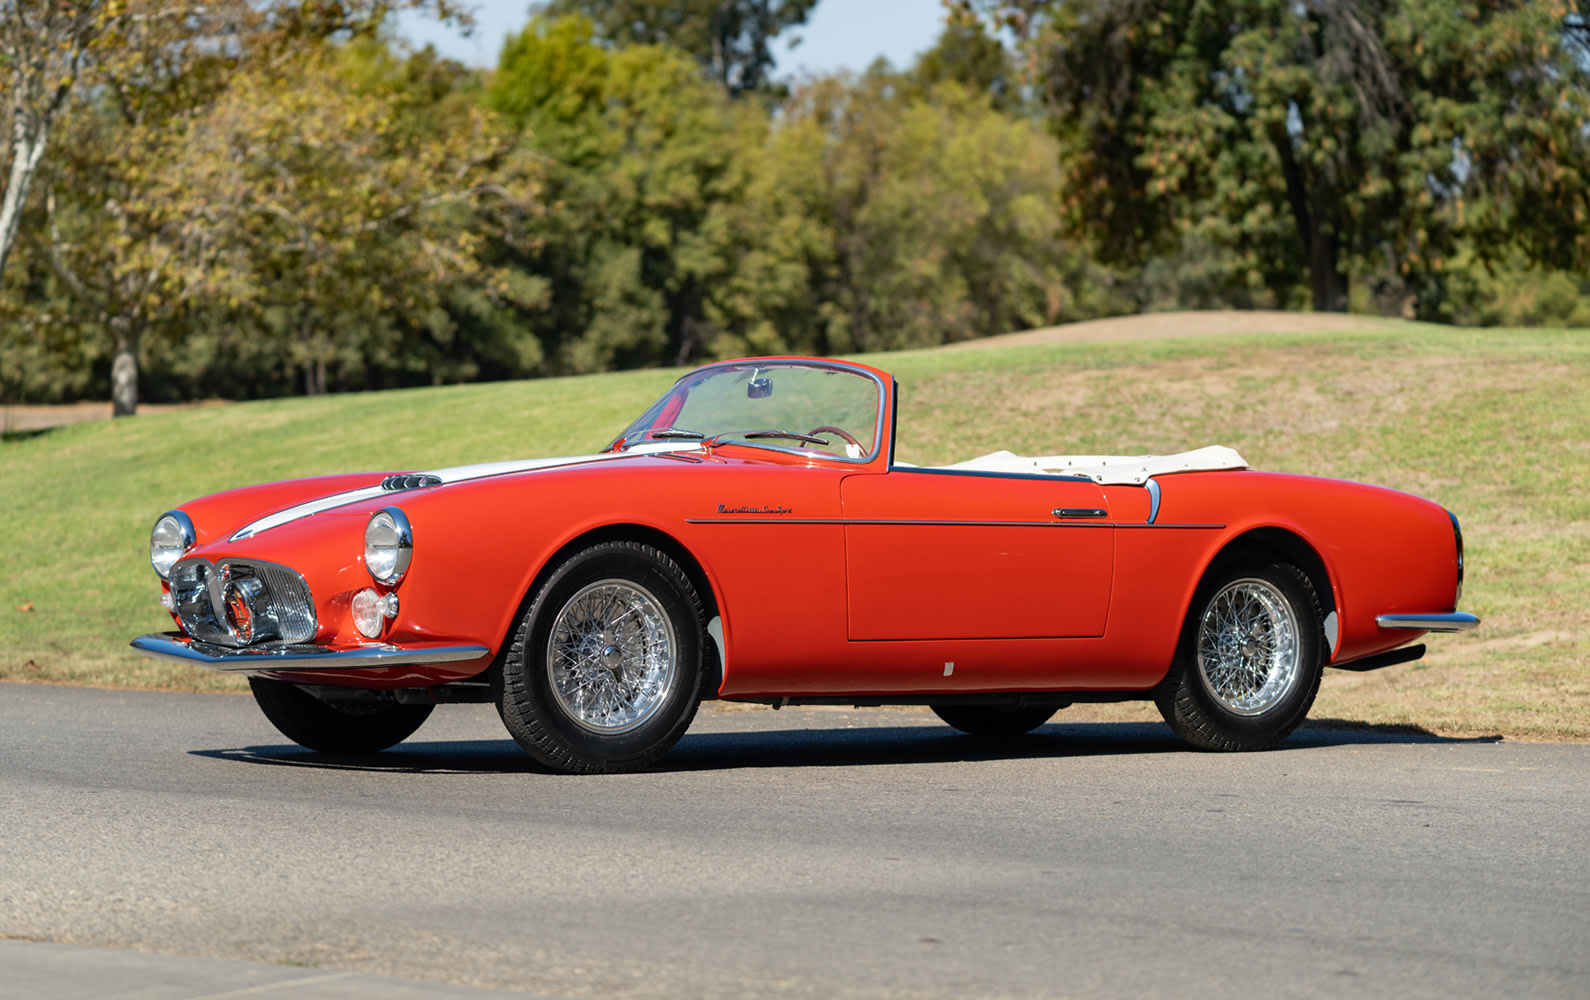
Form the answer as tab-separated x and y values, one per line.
804	407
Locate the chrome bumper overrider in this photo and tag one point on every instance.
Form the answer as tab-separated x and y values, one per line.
298	656
1451	621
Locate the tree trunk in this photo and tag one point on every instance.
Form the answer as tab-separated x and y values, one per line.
27	148
124	379
1328	283
315	378
1325	275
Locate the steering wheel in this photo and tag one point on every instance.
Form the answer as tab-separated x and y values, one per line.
828	429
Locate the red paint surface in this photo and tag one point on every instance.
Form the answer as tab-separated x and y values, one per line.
835	578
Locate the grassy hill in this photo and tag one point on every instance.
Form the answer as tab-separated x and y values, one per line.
1494	424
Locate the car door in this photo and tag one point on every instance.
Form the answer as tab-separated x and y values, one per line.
941	554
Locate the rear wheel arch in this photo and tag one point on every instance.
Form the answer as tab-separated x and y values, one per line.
1270	544
1276	545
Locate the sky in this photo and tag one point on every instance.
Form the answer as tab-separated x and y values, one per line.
840	34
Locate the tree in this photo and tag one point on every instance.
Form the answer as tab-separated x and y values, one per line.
881	218
347	222
729	38
134	250
44	45
642	152
1312	136
967	55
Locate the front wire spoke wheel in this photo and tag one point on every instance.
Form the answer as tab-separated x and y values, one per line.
611	656
605	671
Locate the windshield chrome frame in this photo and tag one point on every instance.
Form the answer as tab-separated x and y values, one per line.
878	444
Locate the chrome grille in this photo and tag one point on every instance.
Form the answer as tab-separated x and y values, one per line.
242	602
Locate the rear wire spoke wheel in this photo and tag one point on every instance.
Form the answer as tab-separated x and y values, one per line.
605	671
335	727
992	722
1250	659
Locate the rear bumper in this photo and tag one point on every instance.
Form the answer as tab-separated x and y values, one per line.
299	656
1450	621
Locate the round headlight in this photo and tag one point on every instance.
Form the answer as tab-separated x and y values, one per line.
388	545
173	535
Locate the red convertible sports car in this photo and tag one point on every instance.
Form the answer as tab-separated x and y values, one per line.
751	537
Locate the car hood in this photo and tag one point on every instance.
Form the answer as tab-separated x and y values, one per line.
456	474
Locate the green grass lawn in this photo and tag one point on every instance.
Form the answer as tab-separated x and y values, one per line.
1495	424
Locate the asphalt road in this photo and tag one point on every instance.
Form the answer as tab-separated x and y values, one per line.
804	853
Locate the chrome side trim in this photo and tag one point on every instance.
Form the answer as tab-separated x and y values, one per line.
1043	477
1451	621
953	524
1152	485
296	656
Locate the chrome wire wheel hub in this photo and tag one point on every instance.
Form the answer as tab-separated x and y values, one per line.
610	657
1248	649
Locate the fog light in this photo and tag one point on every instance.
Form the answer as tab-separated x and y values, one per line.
168	600
371	610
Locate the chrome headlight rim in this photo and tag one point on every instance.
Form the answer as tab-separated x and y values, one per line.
387	556
163	556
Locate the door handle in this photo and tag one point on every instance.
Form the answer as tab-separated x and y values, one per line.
1069	512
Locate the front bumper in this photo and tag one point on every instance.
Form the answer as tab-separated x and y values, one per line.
299	656
1450	621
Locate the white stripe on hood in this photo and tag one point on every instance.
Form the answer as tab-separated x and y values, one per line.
457	474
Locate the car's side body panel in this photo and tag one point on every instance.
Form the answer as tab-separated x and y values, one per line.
969	556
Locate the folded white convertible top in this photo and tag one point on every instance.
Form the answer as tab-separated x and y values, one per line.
1109	469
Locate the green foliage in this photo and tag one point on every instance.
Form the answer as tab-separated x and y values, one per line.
882	219
356	203
311	209
641	149
728	38
1513	294
1312	137
966	55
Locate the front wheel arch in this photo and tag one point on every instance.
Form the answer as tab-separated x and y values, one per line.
638	534
579	708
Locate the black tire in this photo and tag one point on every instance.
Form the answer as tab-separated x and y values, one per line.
1250	658
343	727
991	722
588	688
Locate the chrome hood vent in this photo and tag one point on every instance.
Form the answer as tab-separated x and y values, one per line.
410	481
